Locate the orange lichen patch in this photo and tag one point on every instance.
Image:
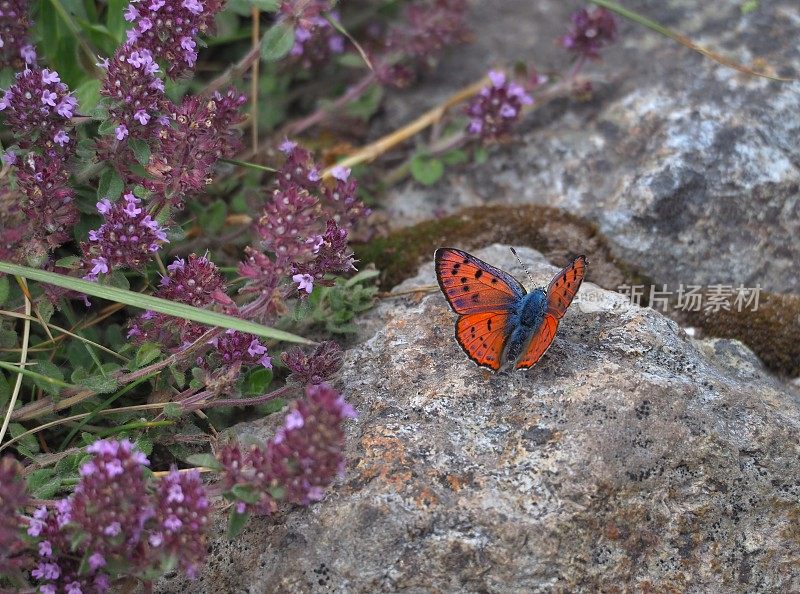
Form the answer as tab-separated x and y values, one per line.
385	458
425	497
457	481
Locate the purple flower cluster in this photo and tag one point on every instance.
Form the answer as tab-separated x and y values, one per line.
304	14
591	30
127	238
181	520
13	498
234	348
314	46
194	281
135	93
414	44
290	228
316	368
38	107
300	461
49	200
196	134
168	29
16	50
496	108
115	520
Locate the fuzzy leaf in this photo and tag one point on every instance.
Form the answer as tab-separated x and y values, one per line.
204	460
277	42
426	170
236	523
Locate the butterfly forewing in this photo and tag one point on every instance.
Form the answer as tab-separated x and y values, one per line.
564	286
471	285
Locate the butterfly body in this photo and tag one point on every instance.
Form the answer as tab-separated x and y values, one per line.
500	323
523	321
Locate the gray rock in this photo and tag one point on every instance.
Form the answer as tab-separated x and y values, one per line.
690	169
631	458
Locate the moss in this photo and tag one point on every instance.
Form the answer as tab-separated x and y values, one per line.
555	233
771	331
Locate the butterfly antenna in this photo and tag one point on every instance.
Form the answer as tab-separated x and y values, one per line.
525	268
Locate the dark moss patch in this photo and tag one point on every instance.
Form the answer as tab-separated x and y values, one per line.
558	235
771	331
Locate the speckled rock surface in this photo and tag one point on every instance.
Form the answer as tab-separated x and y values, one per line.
630	459
690	169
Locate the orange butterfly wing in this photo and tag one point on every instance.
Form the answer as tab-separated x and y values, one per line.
484	297
560	292
564	286
539	343
471	285
483	336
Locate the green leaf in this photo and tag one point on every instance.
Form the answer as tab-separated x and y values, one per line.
99	384
49	370
258	380
147	353
114	19
68	261
277	42
204	460
212	218
157	304
5	289
29	442
480	155
749	6
178	375
173	410
267	5
140	149
236	523
246	493
455	157
118	280
367	105
107	127
46	310
5	392
144	444
110	185
8	338
426	170
38	479
88	95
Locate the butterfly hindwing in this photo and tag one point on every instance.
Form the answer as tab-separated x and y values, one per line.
471	285
539	343
483	336
564	286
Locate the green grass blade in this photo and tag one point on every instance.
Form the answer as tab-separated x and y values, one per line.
178	310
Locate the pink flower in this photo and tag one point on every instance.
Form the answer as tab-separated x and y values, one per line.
305	282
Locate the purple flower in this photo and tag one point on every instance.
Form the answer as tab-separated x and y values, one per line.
66	107
305	282
131	14
127	238
15	51
496	108
234	348
591	30
302	459
13	498
142	116
184	518
340	173
49	77
61	138
314	369
121	132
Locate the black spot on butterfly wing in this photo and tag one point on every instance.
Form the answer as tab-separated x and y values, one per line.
478	273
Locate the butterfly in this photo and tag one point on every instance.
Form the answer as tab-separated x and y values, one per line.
500	323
